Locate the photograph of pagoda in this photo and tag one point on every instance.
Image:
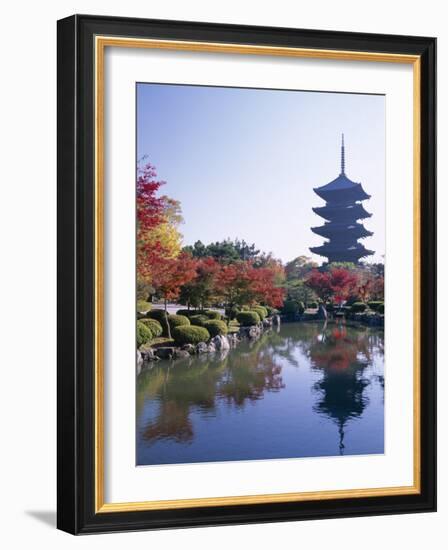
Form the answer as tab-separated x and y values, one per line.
259	306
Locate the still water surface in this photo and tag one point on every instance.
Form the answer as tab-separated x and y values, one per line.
306	390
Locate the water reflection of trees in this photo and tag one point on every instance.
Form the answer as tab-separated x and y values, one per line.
199	383
339	354
342	354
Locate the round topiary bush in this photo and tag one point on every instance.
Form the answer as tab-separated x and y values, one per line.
213	315
291	307
159	314
143	334
198	320
312	305
248	318
271	310
262	311
358	307
142	306
188	334
216	327
178	321
381	309
154	326
374	305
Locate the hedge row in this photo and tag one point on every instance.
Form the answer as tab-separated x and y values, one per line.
215	327
188	334
154	326
143	334
209	313
248	318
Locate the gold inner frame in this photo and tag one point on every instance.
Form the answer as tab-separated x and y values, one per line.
101	42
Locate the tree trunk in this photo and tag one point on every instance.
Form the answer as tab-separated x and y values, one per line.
168	328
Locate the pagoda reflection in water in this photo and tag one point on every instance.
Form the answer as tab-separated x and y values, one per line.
342	211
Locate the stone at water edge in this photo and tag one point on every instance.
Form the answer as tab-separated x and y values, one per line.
190	348
201	347
164	353
220	342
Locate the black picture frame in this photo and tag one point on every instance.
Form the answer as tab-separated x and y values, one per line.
76	255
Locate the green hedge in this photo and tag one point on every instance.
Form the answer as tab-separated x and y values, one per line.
178	321
143	334
213	315
271	310
154	326
312	305
142	306
374	305
159	314
381	309
216	327
358	307
248	318
198	320
188	334
262	311
292	307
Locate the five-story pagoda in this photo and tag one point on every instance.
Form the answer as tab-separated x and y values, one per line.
342	211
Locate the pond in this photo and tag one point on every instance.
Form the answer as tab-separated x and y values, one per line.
304	390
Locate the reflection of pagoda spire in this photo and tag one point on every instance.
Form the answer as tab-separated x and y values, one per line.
341	438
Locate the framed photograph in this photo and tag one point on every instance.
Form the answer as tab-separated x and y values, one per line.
246	270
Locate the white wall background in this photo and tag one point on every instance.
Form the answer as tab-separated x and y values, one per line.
28	271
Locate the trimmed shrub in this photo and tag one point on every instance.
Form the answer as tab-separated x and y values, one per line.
374	305
154	326
358	307
248	318
185	312
216	327
213	315
312	305
232	312
143	334
380	309
271	310
188	334
143	306
198	320
262	311
178	321
159	314
291	307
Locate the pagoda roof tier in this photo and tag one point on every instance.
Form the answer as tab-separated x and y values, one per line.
341	190
339	254
348	230
342	213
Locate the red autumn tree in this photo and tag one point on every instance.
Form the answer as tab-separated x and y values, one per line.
149	216
201	290
241	284
335	285
170	274
264	286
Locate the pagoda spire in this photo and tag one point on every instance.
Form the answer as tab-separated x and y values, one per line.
342	157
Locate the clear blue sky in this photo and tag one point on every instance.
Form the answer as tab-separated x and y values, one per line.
243	162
